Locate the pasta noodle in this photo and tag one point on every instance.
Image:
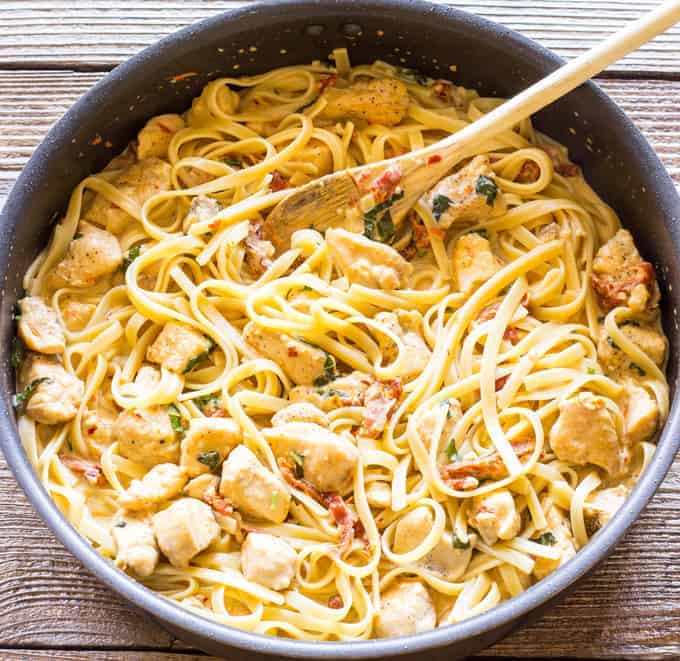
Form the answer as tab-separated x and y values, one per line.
353	435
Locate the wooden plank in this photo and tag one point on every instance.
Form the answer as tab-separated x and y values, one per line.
102	33
101	655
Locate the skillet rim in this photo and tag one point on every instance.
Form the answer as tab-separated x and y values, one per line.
212	633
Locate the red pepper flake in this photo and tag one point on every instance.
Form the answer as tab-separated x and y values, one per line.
436	231
92	430
435	158
335	601
511	334
292	352
214	225
182	76
327	82
108	144
278	182
501	381
96	140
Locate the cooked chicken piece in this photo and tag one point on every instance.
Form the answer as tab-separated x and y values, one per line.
560	532
253	488
495	516
39	327
585	434
379	494
53	394
444	559
300	412
367	262
95	253
380	401
618	363
268	560
146	436
203	487
178	347
184	529
139	182
436	425
640	412
406	608
136	547
201	208
154	139
147	378
328	460
407	326
469	195
162	482
549	232
602	505
346	390
76	315
259	251
473	262
207	443
621	277
377	101
302	363
98	426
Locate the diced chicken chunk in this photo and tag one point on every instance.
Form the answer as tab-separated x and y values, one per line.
146	436
184	529
98	426
640	413
76	315
367	262
495	516
177	346
268	560
585	434
95	253
39	327
473	262
56	393
201	208
301	362
444	559
621	277
617	362
328	459
253	488
379	494
136	547
154	139
377	101
406	608
346	390
207	443
601	506
560	529
139	182
469	195
162	482
407	326
203	487
300	412
435	426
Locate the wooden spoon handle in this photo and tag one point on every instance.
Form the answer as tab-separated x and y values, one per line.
558	83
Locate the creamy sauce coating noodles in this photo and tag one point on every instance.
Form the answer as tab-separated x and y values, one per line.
368	431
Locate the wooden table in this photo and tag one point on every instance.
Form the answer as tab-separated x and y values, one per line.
51	51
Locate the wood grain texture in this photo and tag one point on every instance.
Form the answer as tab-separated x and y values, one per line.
102	33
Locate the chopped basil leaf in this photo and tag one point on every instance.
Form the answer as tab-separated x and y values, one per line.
329	372
486	186
201	356
611	343
378	223
592	370
17	356
451	451
122	524
332	392
132	254
175	418
77	235
235	163
460	544
299	461
439	205
22	398
207	401
307	288
547	539
636	368
211	459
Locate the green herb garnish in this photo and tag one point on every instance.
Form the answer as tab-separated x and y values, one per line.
201	356
440	204
451	451
592	370
207	401
275	499
329	374
235	163
636	368
378	223
460	544
211	459
175	418
486	186
547	539
22	398
130	257
77	235
299	461
18	351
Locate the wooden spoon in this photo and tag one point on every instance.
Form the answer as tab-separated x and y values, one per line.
331	201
